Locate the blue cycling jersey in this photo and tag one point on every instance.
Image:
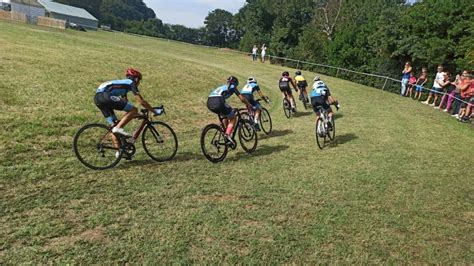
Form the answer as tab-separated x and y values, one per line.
225	91
118	87
250	88
320	89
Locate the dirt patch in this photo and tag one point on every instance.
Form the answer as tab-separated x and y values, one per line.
218	198
92	235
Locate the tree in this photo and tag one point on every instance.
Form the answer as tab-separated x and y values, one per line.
219	29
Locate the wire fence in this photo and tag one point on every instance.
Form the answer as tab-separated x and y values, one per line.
382	82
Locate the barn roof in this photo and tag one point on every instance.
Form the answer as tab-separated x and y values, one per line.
27	2
65	9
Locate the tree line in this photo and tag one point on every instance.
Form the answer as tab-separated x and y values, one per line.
375	36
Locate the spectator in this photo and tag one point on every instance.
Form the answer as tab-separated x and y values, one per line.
449	89
254	53
421	82
264	51
411	84
436	86
405	78
460	84
467	93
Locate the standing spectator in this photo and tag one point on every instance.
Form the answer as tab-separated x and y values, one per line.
421	82
264	51
436	86
450	89
467	92
460	83
254	53
405	78
411	84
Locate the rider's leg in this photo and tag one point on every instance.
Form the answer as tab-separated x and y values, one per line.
127	117
230	127
257	116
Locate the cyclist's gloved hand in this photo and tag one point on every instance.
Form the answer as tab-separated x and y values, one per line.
337	105
158	111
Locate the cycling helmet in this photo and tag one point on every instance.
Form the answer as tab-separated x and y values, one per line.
251	80
317	78
233	80
285	74
133	73
319	84
298	72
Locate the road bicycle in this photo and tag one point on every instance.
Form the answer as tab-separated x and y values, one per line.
265	118
98	148
215	145
324	133
287	108
304	99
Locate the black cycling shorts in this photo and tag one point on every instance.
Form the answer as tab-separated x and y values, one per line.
218	105
107	103
286	90
252	100
318	102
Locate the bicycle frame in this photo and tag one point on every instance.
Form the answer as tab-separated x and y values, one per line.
234	130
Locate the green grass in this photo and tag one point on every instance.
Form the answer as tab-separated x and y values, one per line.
396	188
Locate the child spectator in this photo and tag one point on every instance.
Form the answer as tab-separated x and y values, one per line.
420	83
254	53
450	89
436	87
411	84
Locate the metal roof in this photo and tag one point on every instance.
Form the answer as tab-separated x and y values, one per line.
65	9
27	2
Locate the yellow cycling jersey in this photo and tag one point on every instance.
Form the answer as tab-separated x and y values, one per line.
301	81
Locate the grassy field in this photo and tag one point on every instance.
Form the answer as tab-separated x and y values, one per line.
396	188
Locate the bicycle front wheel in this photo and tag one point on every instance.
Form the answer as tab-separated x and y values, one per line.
332	131
213	143
160	141
247	136
266	121
96	147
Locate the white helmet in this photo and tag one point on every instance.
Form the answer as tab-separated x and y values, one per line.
319	84
251	80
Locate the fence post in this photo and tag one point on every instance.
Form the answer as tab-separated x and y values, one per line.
298	65
386	79
337	73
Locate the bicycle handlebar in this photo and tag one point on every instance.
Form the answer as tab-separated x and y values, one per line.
145	111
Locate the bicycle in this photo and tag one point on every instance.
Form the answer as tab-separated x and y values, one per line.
95	147
287	108
214	144
323	131
304	99
265	118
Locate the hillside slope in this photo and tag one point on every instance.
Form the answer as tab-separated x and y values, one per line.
397	187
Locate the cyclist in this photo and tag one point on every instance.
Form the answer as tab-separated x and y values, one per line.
247	91
112	95
321	97
302	84
284	84
216	103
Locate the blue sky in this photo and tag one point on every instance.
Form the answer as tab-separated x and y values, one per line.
190	13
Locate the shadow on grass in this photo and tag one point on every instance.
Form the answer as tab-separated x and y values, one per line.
300	114
342	139
180	157
276	133
260	151
338	115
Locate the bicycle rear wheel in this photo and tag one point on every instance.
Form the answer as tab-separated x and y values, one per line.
320	134
160	141
287	108
213	143
94	146
266	121
247	136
